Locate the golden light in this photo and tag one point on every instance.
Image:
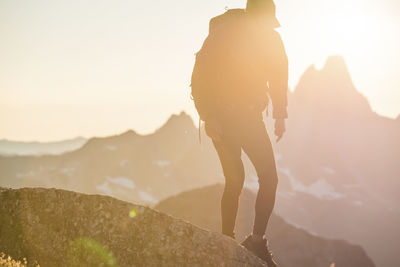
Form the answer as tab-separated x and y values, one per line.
89	252
132	213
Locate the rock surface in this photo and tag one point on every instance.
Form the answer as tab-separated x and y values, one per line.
63	228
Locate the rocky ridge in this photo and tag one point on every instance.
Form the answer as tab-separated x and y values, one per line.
63	228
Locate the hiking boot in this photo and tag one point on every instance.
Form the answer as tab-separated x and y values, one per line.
260	249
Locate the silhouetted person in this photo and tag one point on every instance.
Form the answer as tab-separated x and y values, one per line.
242	64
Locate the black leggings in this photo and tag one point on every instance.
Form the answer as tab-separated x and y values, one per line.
246	130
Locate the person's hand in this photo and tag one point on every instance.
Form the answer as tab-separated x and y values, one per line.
213	129
279	128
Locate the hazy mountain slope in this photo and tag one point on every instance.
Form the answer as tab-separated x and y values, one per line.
340	159
133	167
62	228
292	246
38	148
336	126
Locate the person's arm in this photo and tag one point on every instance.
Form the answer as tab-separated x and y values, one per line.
278	78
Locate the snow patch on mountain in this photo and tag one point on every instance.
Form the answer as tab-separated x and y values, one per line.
123	162
110	147
67	171
320	189
162	163
147	197
25	174
287	195
105	188
277	157
251	183
122	181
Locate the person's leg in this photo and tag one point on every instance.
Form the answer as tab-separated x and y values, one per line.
229	153
257	146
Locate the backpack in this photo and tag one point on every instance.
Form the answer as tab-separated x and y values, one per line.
226	66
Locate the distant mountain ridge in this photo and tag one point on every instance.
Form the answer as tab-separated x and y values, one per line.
132	167
18	148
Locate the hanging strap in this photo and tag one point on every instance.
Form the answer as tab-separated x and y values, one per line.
199	130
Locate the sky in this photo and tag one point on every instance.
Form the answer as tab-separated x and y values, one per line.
97	68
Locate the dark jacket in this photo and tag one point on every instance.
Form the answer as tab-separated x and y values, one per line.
240	64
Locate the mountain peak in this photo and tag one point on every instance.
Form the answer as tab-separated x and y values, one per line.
178	122
335	61
330	89
129	133
181	116
336	67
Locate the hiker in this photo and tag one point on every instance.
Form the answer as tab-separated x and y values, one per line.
241	65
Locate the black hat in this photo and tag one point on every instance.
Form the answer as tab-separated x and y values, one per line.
266	7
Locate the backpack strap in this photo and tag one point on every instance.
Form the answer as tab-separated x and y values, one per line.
199	131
